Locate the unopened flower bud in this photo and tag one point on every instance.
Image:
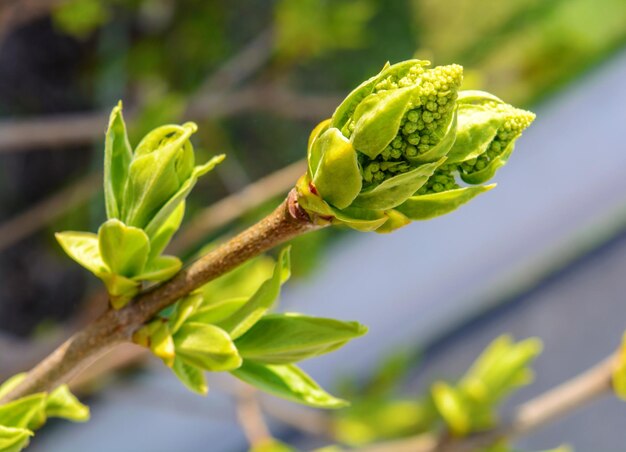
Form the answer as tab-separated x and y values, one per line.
390	147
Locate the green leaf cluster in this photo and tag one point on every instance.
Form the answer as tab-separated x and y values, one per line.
399	146
145	191
19	418
377	412
225	326
466	407
471	405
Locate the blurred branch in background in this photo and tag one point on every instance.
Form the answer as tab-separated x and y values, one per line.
42	213
250	416
65	130
233	206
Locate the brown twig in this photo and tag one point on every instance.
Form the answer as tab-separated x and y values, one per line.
312	422
242	65
251	417
115	327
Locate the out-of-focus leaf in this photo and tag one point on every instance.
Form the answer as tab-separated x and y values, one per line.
79	17
62	403
11	383
19	413
14	439
271	445
190	376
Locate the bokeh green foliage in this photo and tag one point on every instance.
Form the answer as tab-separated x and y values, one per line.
470	405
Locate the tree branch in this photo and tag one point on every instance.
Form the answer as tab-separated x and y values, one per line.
115	327
251	417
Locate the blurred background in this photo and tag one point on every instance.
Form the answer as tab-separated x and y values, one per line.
543	255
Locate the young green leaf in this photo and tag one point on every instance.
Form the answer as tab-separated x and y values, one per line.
83	248
425	207
207	347
124	249
163	161
271	445
337	177
11	383
217	312
396	190
241	282
13	439
179	196
121	289
62	403
289	338
262	300
288	382
162	344
160	268
117	157
190	376
19	413
183	309
163	236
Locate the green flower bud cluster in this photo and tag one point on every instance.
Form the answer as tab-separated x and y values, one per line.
225	326
443	179
398	147
422	127
145	193
514	122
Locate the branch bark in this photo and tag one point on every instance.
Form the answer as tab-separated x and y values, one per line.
115	327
